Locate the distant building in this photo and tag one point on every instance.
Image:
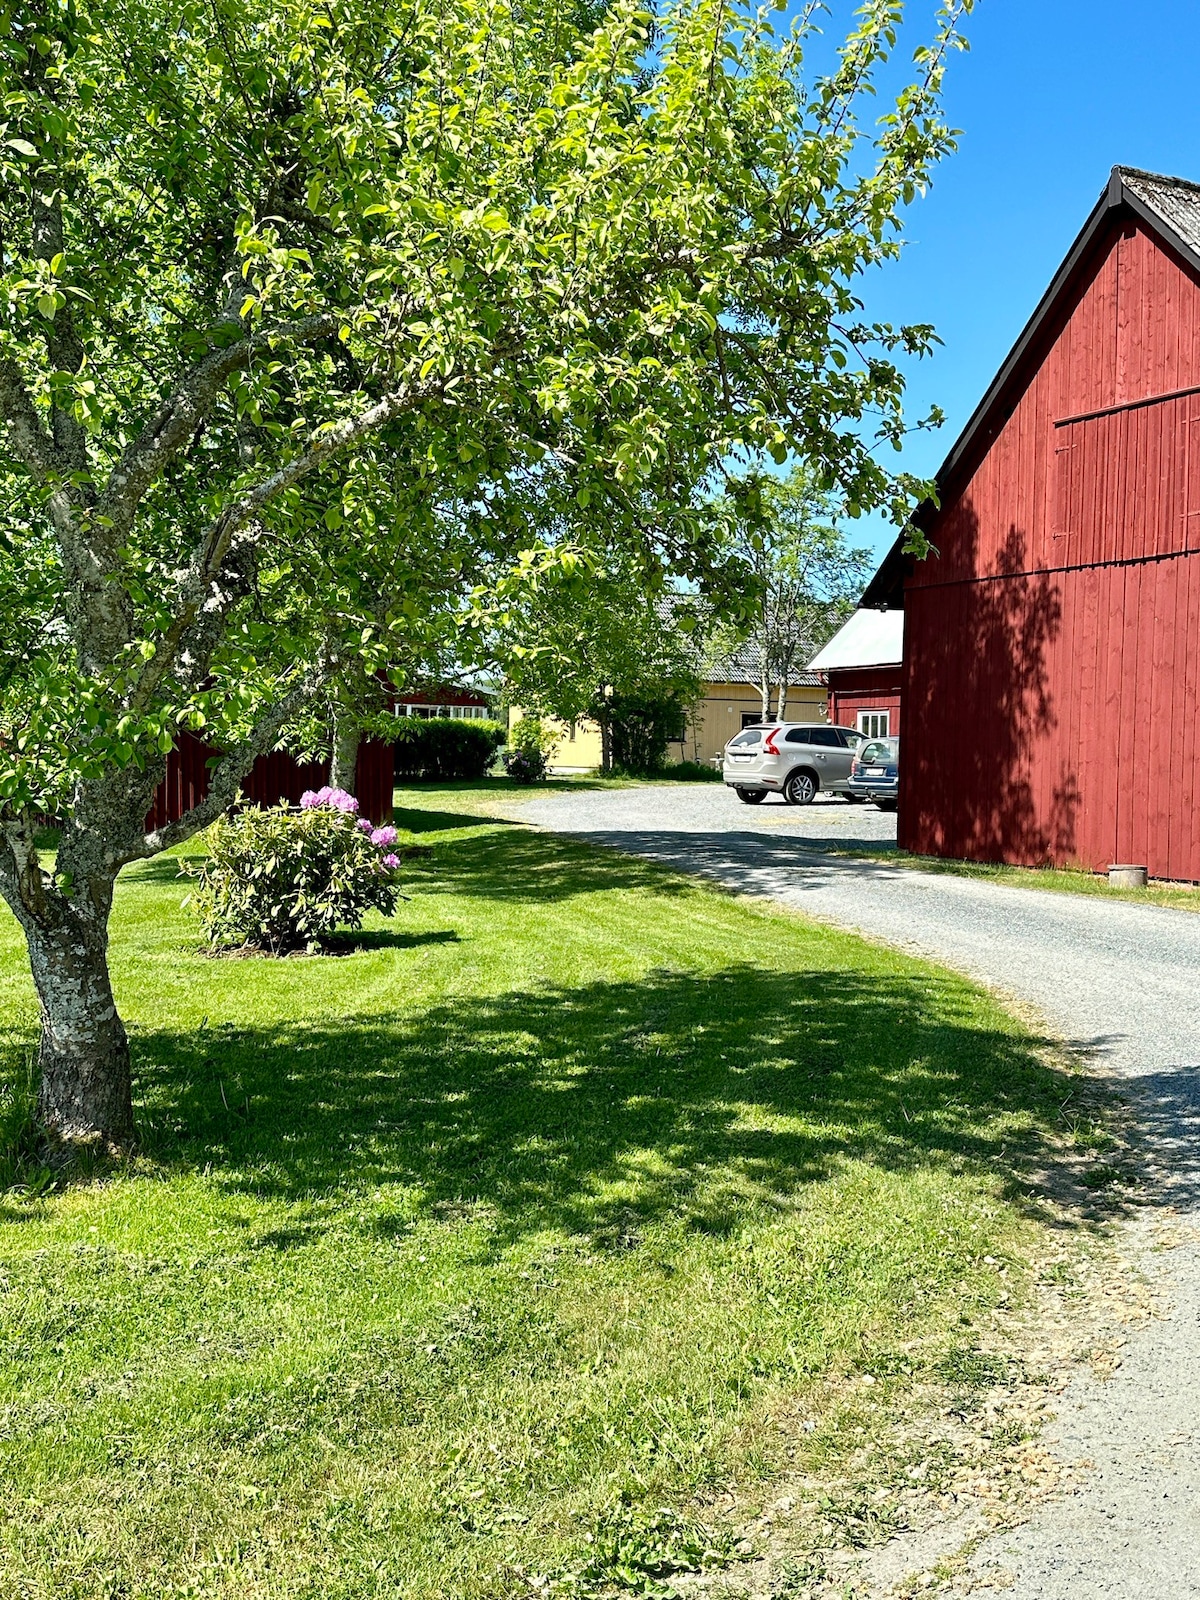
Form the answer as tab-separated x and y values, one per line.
732	699
863	665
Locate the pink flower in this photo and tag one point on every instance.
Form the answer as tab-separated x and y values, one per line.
309	800
340	800
365	825
391	861
384	836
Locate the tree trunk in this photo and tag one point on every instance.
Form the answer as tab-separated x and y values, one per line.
343	768
764	689
605	744
83	1058
781	703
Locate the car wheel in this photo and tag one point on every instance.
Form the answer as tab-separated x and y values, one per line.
751	797
887	805
800	789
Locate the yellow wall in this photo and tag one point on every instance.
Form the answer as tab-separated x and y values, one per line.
719	716
711	725
578	742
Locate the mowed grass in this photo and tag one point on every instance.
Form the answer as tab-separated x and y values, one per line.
478	1257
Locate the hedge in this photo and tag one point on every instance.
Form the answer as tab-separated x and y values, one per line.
432	749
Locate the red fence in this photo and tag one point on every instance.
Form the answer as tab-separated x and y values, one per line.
273	779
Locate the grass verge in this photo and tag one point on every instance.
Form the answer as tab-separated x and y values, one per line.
479	1258
1058	880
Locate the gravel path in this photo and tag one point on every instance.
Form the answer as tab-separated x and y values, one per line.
1121	982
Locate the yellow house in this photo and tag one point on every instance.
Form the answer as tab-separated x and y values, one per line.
728	705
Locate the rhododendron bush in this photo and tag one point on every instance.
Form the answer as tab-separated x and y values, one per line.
283	879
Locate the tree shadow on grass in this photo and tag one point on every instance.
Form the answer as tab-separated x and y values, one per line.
535	867
603	1108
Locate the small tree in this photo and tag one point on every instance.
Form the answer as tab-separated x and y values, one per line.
606	647
807	577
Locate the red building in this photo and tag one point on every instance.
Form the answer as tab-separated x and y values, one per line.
274	779
862	666
1052	644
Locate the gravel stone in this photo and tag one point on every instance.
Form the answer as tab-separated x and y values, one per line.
1121	983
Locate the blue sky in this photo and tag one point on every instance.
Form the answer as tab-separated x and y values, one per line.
1050	97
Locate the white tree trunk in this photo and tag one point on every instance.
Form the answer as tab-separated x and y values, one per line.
343	766
83	1057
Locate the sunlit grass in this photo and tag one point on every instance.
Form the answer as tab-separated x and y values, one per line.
536	1210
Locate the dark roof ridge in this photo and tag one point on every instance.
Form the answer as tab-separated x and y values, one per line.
1118	194
1158	177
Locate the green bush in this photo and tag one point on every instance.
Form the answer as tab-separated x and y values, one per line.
284	879
694	772
432	749
641	727
529	749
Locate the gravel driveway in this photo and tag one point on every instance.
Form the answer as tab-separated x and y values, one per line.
1119	981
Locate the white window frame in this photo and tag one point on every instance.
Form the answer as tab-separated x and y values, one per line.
869	719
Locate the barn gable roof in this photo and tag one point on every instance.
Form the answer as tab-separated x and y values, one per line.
1170	209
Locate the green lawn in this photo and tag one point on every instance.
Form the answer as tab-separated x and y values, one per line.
571	1195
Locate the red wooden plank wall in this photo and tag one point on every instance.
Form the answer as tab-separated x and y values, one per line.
864	689
274	779
1052	647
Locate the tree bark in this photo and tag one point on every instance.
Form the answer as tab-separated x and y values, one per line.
781	703
83	1057
343	767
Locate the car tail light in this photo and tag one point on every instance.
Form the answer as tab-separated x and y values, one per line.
769	745
855	767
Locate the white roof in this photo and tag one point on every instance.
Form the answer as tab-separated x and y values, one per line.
866	639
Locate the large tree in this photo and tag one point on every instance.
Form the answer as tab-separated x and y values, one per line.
266	262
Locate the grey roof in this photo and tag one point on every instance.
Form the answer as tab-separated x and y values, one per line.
741	665
1175	200
1170	208
865	639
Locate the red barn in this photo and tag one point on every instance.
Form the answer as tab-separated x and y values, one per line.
862	665
1052	644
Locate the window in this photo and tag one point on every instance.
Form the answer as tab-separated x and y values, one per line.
751	736
459	713
850	737
826	737
750	719
873	724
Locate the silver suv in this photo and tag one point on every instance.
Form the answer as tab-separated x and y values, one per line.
795	759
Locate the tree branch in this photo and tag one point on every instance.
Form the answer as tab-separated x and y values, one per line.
176	420
226	779
197	589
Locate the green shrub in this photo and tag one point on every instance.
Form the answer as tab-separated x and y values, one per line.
284	879
432	749
695	772
529	749
641	727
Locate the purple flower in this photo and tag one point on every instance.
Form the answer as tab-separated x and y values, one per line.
365	825
309	800
384	836
391	861
340	800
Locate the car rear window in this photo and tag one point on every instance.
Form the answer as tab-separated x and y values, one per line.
876	753
751	736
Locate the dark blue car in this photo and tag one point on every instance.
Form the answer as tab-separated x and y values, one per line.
875	772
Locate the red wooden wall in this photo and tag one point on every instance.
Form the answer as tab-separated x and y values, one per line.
1052	661
273	779
856	689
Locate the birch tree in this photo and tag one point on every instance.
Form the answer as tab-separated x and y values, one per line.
268	266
